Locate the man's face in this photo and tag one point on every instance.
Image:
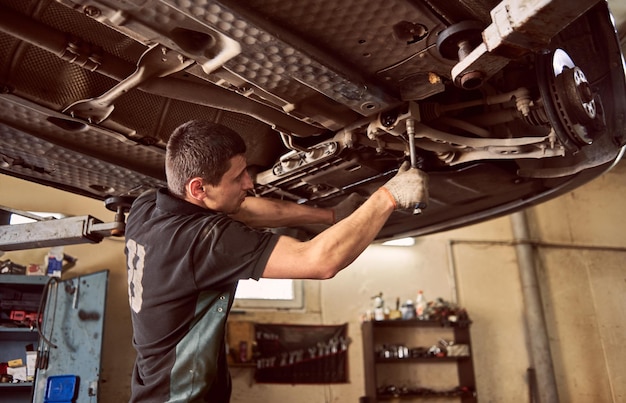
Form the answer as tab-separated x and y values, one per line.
228	195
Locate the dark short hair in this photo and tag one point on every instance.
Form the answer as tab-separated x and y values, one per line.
200	149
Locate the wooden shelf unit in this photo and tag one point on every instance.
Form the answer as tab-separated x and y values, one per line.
408	332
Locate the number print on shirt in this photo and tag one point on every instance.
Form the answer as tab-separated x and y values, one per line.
136	260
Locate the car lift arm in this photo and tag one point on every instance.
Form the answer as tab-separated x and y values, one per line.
46	232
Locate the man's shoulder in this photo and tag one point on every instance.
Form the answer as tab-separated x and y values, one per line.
150	194
141	207
152	197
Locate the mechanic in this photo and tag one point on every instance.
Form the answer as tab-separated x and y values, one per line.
189	244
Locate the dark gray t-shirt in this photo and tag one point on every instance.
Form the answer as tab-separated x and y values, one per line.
183	265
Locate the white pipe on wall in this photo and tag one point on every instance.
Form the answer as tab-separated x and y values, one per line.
537	332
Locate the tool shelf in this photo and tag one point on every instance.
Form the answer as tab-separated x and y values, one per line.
23	280
420	359
419	378
13	338
21	385
16	330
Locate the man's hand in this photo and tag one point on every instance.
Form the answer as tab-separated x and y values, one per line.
347	206
408	188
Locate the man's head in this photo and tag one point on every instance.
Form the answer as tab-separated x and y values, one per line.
205	164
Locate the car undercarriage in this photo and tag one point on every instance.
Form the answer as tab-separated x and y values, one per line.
504	104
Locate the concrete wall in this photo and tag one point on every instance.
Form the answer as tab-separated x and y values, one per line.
580	262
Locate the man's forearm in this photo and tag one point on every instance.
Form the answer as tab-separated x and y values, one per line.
334	248
262	212
346	240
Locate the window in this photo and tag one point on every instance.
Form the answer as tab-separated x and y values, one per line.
16	218
269	293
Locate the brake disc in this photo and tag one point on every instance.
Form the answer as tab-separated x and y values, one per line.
574	110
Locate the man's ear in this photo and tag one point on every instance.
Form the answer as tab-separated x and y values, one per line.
195	189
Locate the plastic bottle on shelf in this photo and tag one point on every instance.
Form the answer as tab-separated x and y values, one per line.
379	307
408	310
420	305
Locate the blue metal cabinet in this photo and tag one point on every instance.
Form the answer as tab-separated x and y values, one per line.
71	340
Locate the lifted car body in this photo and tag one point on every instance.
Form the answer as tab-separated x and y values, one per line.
504	104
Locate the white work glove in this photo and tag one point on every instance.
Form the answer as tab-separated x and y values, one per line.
408	188
347	206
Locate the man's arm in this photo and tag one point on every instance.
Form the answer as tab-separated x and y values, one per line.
259	212
335	248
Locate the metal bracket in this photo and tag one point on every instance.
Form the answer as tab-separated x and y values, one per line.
517	28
